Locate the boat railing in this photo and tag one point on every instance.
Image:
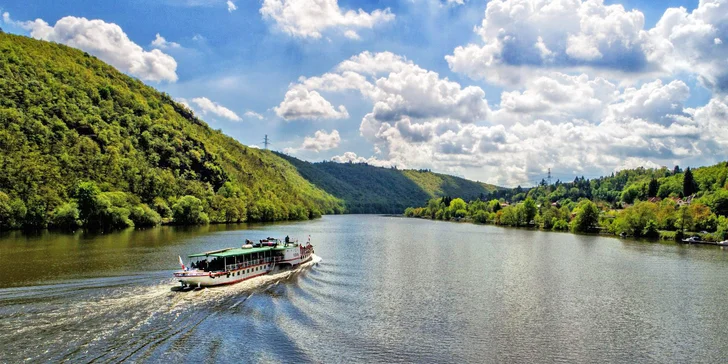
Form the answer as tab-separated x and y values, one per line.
250	263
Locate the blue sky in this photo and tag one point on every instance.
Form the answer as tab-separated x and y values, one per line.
495	91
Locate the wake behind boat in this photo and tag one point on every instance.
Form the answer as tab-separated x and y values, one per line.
233	265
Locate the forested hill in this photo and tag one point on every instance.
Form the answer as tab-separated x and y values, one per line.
83	144
369	189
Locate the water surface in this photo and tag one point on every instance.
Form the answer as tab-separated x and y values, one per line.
387	290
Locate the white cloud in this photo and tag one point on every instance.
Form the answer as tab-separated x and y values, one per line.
652	101
692	41
577	124
351	157
521	36
352	35
300	103
253	114
184	102
309	18
106	41
161	43
231	6
206	106
321	140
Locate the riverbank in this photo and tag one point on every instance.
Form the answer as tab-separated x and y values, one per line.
671	236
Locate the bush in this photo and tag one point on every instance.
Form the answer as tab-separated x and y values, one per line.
560	225
143	215
587	216
161	207
66	216
12	212
650	230
481	217
188	210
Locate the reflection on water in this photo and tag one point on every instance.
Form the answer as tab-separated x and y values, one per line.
387	289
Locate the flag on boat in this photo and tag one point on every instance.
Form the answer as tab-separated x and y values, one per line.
181	263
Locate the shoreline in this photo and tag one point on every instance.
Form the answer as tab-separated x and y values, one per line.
535	228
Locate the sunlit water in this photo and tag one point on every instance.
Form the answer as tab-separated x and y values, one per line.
385	290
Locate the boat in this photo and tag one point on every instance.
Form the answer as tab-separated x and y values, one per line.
233	265
692	240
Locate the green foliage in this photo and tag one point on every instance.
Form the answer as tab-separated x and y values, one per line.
143	215
650	230
370	189
561	225
586	217
67	118
630	194
653	187
529	209
12	212
188	210
66	216
689	185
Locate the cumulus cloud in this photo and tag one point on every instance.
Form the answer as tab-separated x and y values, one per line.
309	18
300	103
692	42
207	106
521	36
231	6
252	114
524	39
162	43
321	140
351	157
106	41
352	35
578	124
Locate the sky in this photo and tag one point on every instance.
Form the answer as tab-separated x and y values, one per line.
497	91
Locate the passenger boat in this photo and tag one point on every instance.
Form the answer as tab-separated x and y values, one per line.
233	265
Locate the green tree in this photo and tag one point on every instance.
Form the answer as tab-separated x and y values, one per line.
530	209
12	212
689	185
653	188
457	204
66	216
188	210
650	230
586	218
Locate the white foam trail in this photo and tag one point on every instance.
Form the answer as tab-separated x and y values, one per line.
131	309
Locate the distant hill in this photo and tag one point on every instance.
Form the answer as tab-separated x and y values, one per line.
369	189
67	117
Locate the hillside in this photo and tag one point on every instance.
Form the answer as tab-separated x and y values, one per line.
66	118
654	203
369	189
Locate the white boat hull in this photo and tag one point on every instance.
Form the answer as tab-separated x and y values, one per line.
197	278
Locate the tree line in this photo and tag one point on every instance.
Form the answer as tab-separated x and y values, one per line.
640	202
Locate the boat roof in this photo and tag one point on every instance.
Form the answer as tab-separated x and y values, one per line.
229	252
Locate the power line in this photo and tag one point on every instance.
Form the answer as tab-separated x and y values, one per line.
266	141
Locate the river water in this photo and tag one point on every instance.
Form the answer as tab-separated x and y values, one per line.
386	289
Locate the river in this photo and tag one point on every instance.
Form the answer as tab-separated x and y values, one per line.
386	289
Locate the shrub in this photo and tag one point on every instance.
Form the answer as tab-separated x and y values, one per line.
143	215
189	210
66	216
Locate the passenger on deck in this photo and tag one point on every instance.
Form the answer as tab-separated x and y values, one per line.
288	240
